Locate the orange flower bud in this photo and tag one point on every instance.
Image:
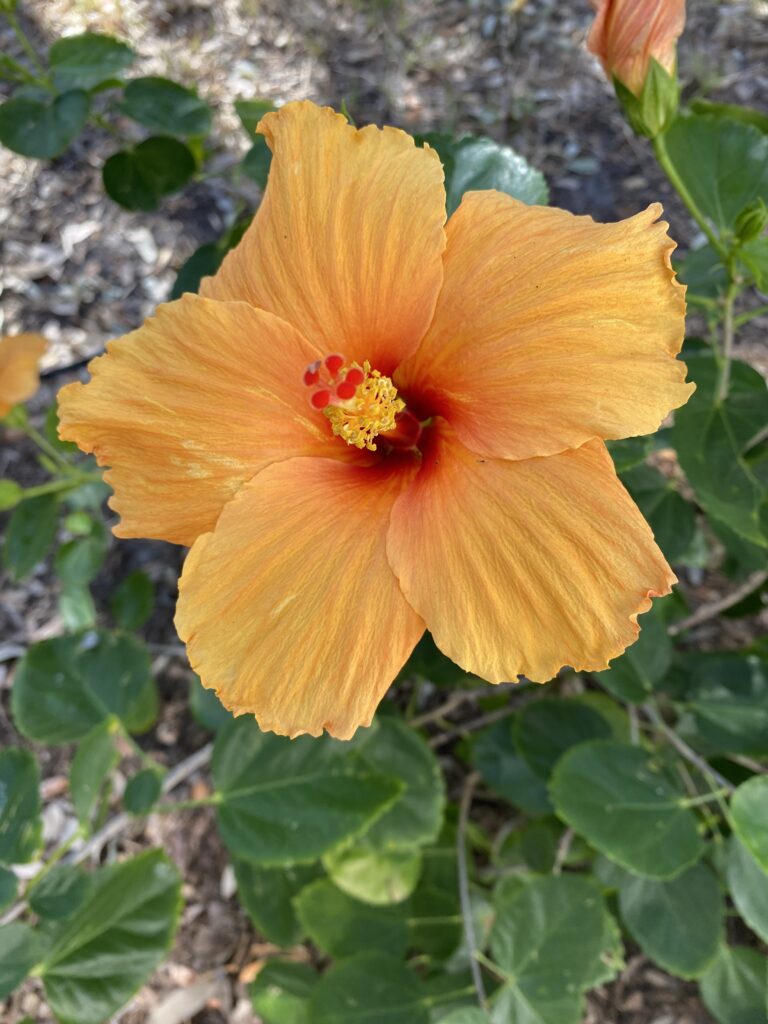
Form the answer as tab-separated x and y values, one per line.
628	33
19	379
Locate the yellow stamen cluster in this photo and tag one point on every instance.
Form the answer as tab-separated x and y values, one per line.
370	412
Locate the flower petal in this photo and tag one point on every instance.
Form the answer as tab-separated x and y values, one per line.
289	609
347	244
522	567
551	329
189	407
19	377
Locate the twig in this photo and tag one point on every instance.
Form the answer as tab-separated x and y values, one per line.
685	751
711	611
478	723
470	783
563	849
121	821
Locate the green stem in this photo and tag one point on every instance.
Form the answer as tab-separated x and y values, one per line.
29	50
54	859
662	155
704	798
55	486
45	445
21	71
751	314
101	122
724	381
185	805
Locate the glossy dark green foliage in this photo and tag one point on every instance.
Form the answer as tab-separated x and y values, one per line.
20	807
30	533
43	128
670	516
86	61
166	107
142	791
133	600
139	178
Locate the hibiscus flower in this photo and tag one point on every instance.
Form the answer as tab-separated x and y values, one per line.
19	377
369	422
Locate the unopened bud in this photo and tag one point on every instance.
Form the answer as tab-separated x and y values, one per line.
752	220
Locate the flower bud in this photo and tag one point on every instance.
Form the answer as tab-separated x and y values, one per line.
752	220
636	41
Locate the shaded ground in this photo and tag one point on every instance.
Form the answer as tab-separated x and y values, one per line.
78	268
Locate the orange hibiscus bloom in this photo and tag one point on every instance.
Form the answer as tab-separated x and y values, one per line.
368	422
627	34
19	379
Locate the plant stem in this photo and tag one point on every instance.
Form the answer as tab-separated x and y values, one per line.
29	49
67	484
728	337
751	314
23	73
466	904
710	611
662	155
685	751
45	445
705	798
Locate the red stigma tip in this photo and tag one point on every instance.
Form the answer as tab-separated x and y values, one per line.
321	398
311	377
346	390
355	376
334	363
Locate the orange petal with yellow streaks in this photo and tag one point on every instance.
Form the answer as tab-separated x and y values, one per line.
19	377
347	243
191	406
551	329
289	609
523	567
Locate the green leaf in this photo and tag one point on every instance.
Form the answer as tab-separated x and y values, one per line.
372	874
76	607
257	161
341	926
546	728
548	939
495	756
434	920
65	686
203	261
138	178
628	452
711	437
679	923
473	164
104	952
142	791
133	601
87	60
10	495
369	988
9	887
267	894
538	844
749	814
61	892
166	107
21	828
428	662
206	706
19	951
280	994
95	758
734	111
289	801
643	666
729	699
734	987
617	798
670	516
251	112
394	749
703	272
748	883
30	533
43	129
723	165
78	561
